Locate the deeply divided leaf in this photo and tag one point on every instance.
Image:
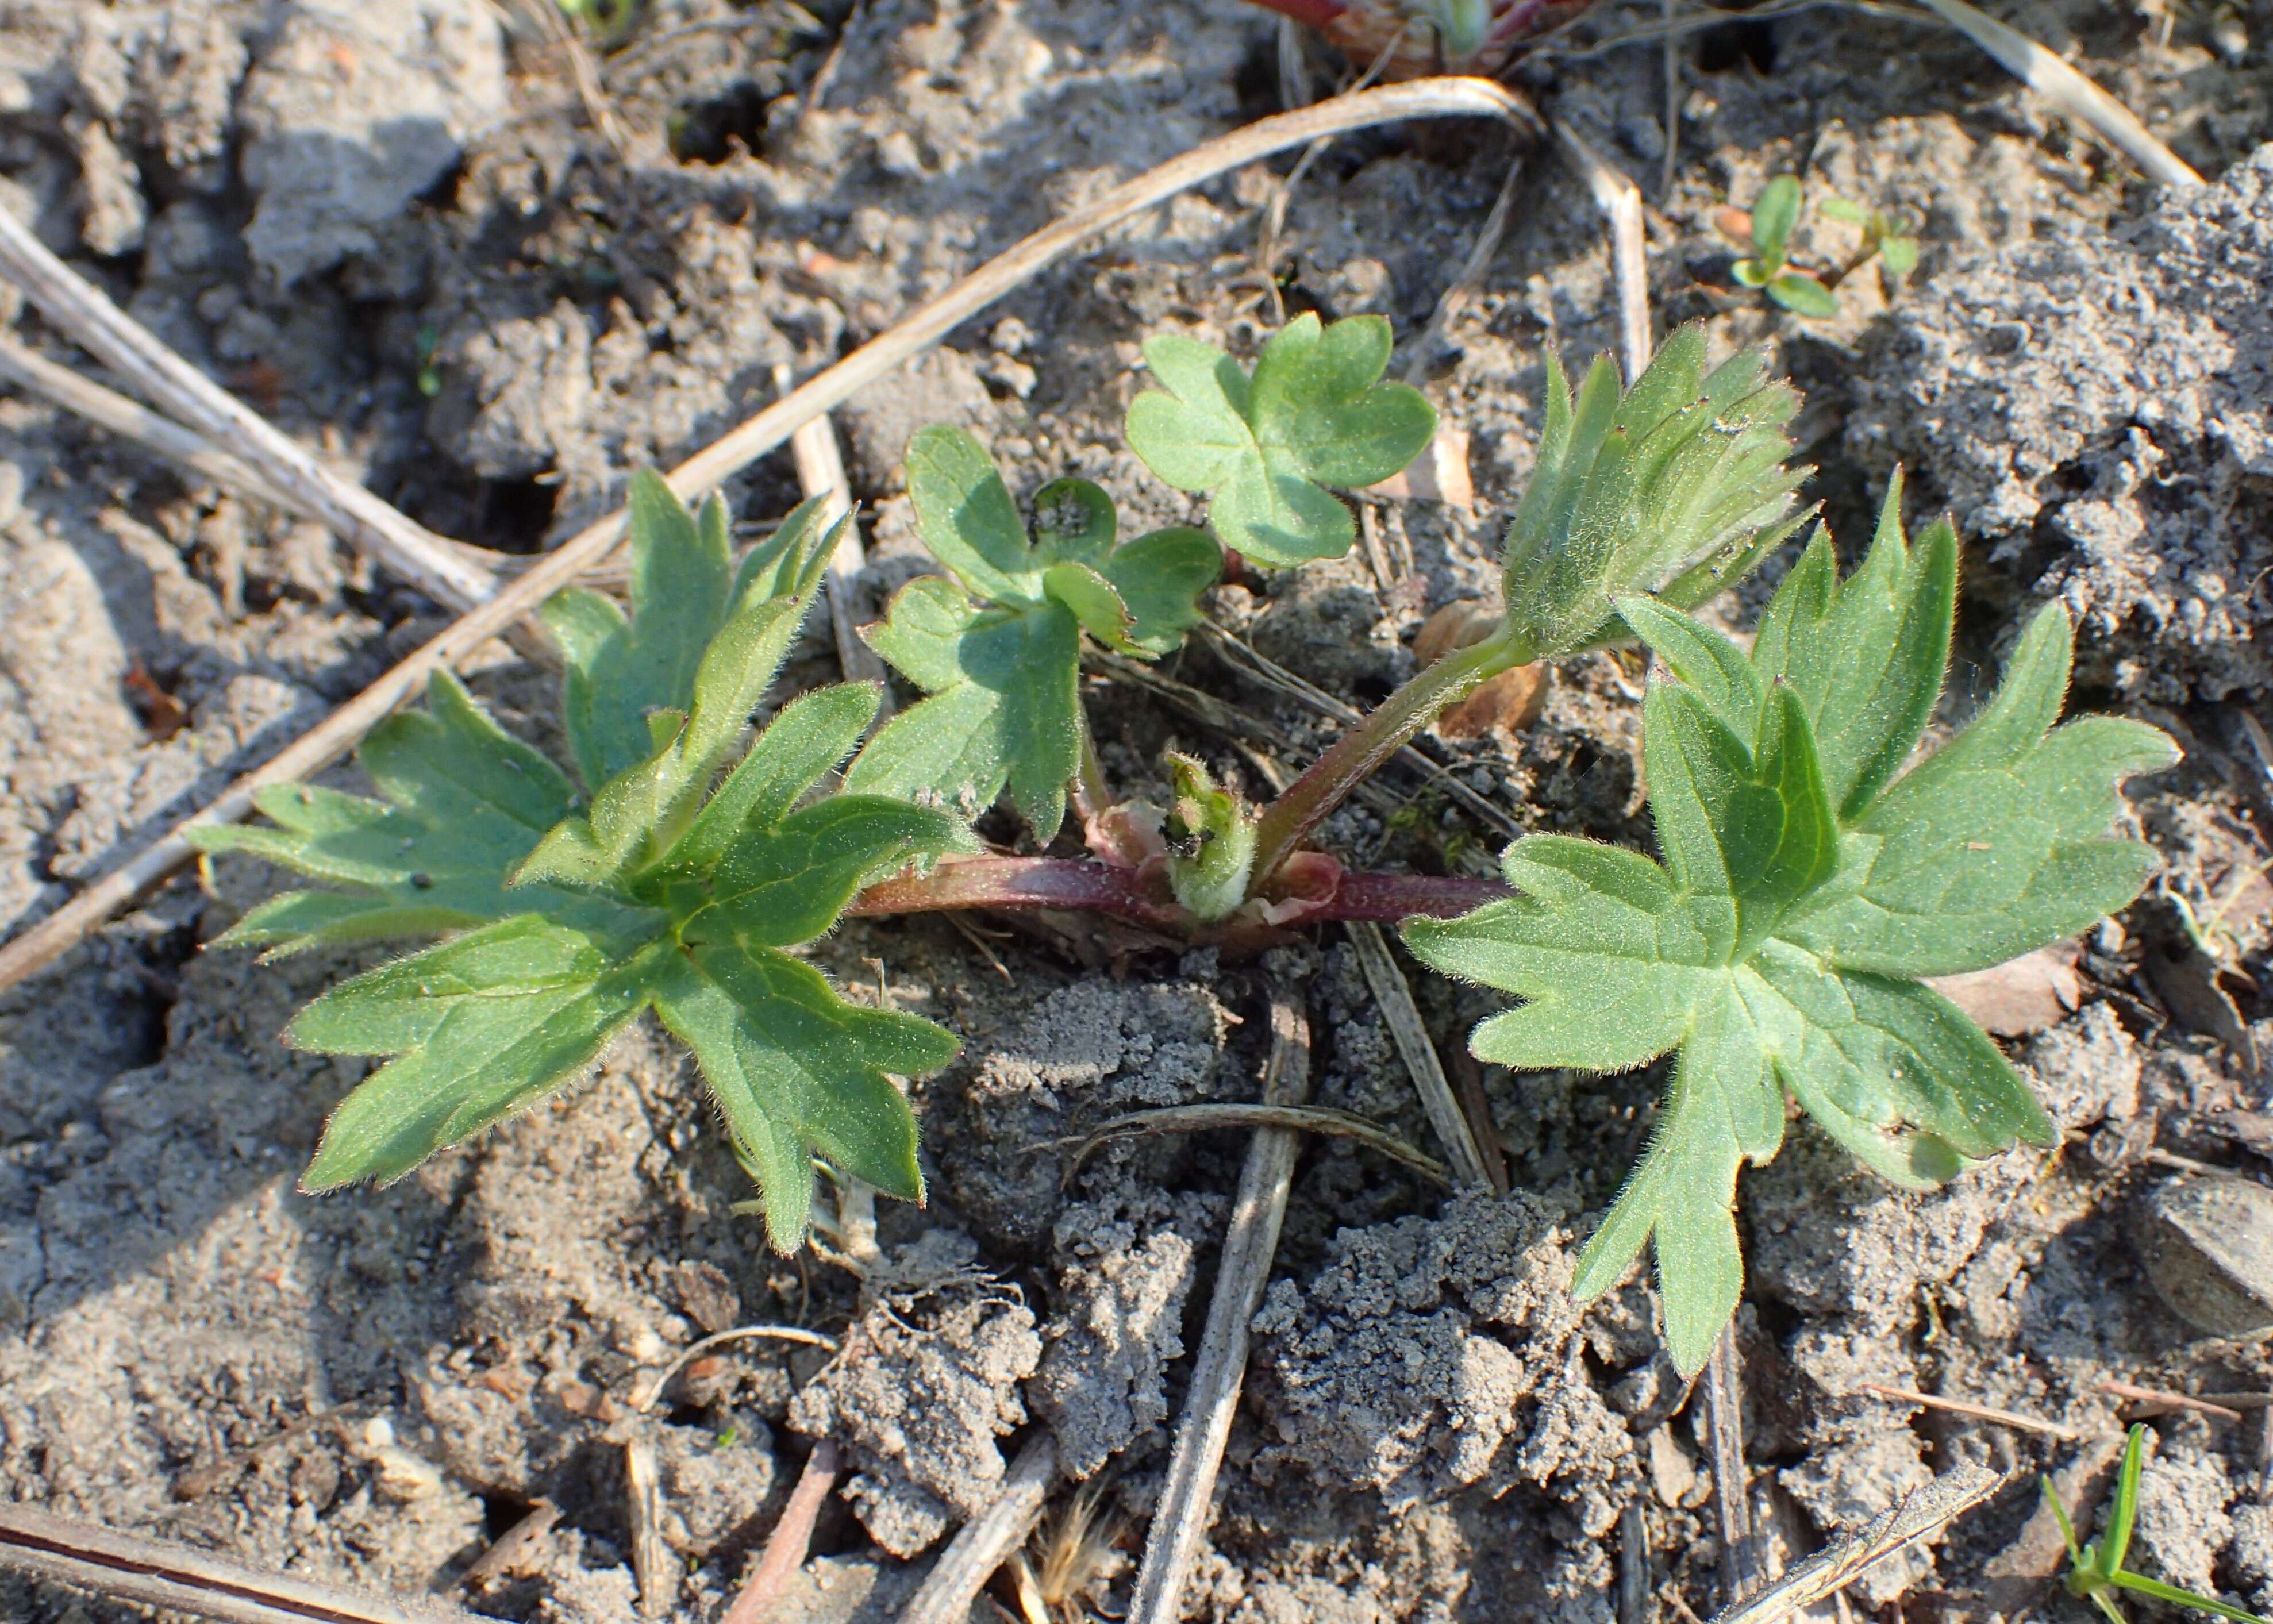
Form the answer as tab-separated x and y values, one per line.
675	889
1805	889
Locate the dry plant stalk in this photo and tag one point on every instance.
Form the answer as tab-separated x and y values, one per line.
1393	995
2069	92
988	1540
337	734
1620	201
1849	1557
793	1535
1186	1500
159	1573
77	308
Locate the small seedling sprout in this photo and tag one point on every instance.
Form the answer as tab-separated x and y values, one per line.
2096	1568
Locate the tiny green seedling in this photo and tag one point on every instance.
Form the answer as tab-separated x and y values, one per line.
1807	888
1774	216
1883	235
2097	1569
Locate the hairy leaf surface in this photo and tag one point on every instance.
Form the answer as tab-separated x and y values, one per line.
1804	888
998	648
1265	447
677	890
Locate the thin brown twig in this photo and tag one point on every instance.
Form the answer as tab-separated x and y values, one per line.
159	1573
792	1538
1187	1500
88	316
1847	1558
1979	1412
1392	995
337	733
1214	1115
719	1339
988	1540
2174	1401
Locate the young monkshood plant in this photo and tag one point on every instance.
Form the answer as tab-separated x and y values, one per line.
1807	884
668	886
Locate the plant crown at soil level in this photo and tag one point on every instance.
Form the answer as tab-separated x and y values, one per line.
1804	890
670	887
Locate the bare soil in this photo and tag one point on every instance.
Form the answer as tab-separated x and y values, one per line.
399	229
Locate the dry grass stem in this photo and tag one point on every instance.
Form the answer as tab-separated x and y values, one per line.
741	1332
820	472
84	313
792	1538
2068	91
1186	1501
1620	201
2168	1400
1302	1119
157	1573
653	1565
988	1541
1741	1565
1847	1558
1979	1412
1393	995
338	733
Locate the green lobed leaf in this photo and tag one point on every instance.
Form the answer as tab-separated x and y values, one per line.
999	648
1803	888
619	670
482	1026
784	883
794	1069
1005	711
1264	448
464	802
1899	254
640	813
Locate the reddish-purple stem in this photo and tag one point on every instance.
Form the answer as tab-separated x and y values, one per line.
1100	888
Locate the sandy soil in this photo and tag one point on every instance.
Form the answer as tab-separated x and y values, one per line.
395	227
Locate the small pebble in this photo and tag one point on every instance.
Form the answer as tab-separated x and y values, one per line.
2207	1242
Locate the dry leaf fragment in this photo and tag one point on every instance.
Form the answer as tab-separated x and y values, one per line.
1439	474
2020	996
1512	700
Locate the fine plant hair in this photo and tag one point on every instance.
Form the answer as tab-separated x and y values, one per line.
1810	872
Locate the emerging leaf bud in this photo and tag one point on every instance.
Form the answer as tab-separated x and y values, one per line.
1211	835
1676	486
